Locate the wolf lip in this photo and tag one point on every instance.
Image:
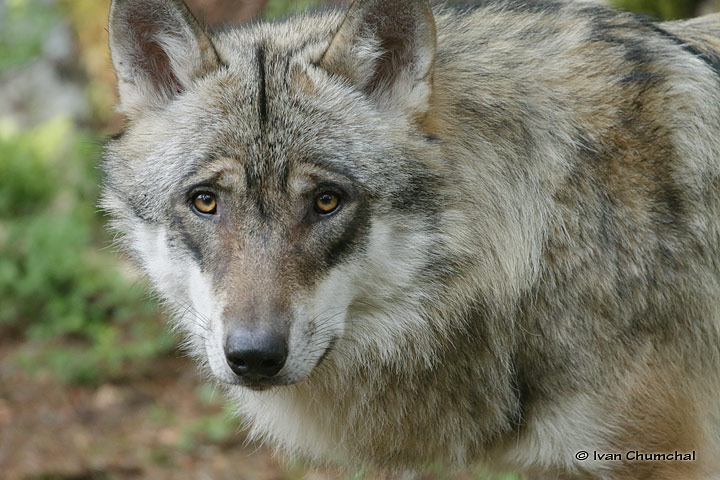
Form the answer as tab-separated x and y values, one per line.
256	386
326	353
259	388
259	384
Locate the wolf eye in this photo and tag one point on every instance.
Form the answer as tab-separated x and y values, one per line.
205	203
326	203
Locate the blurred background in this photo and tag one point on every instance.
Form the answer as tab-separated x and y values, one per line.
91	384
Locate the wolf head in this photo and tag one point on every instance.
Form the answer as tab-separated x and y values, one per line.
276	183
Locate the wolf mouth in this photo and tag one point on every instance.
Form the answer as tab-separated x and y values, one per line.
327	351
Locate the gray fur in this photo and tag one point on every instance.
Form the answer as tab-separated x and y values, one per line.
526	263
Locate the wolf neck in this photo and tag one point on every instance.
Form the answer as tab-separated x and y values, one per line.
368	411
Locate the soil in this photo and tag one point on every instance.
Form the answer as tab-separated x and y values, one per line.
145	428
156	423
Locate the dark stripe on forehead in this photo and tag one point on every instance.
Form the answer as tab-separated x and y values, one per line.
262	99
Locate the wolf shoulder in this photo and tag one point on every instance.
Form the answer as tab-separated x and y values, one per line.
565	44
578	78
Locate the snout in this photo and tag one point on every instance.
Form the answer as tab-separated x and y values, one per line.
255	355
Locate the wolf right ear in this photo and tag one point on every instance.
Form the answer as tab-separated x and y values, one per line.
158	48
387	49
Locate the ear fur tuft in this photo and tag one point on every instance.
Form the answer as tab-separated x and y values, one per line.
158	48
386	48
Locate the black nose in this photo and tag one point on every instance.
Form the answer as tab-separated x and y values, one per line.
256	354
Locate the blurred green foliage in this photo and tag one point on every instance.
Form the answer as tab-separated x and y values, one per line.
55	283
283	8
660	9
23	26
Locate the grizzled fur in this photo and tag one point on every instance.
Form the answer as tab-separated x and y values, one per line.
526	260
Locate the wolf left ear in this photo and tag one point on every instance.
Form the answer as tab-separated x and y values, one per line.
386	48
158	48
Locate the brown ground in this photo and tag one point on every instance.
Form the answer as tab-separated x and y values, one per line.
155	425
146	428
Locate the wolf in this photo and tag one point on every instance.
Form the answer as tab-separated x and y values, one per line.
402	234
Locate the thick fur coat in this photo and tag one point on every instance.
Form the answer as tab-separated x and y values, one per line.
523	261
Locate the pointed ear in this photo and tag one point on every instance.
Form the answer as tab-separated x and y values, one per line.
158	48
387	49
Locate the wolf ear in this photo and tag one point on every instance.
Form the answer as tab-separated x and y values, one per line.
158	48
387	49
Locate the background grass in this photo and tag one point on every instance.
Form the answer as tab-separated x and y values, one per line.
661	9
61	290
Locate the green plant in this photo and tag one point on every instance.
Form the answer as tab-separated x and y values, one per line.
83	320
23	26
282	8
660	9
219	427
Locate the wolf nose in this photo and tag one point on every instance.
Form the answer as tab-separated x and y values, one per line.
255	354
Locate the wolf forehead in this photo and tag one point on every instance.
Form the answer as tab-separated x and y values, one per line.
271	110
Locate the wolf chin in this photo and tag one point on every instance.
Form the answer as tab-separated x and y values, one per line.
402	235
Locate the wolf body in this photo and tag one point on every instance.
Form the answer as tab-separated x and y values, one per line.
522	262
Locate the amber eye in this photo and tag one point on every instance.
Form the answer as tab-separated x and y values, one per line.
326	203
205	203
